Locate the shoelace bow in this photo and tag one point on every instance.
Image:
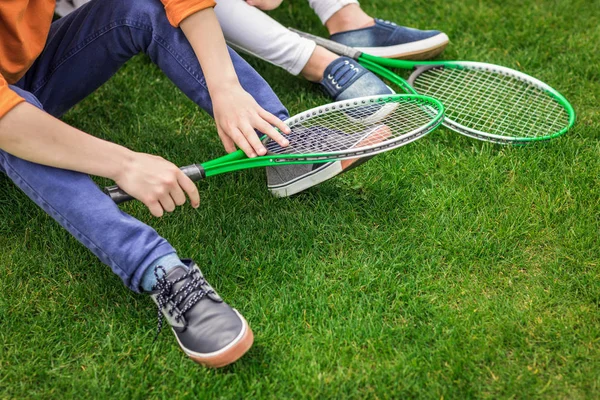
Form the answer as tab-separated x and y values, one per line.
342	73
192	292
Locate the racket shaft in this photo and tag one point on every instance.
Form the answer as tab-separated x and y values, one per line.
370	62
195	172
337	131
330	45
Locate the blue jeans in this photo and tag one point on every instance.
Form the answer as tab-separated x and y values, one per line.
83	51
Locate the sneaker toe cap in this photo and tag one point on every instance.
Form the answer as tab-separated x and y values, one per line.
218	328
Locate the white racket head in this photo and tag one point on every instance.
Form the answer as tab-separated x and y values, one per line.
358	127
495	103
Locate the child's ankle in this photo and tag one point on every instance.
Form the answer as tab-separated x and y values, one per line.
348	18
319	60
152	274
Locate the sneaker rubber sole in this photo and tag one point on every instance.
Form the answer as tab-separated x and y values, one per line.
314	177
227	355
420	50
377	135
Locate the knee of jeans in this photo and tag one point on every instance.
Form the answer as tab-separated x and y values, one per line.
29	97
135	9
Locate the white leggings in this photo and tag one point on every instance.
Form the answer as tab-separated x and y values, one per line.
252	31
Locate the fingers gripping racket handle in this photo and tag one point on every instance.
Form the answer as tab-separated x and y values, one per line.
330	45
195	172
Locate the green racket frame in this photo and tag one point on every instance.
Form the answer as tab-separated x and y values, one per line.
238	160
377	65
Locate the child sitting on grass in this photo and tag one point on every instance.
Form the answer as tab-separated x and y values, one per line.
46	68
250	30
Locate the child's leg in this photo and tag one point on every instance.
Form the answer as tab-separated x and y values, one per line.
207	329
254	32
125	244
84	49
88	46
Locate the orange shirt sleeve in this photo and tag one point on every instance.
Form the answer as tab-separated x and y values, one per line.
178	10
8	98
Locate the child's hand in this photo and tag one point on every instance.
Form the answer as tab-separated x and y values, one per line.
156	182
237	115
264	5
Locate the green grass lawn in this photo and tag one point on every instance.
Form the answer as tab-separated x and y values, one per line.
449	268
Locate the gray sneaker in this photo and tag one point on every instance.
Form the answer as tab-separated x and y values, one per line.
207	329
343	79
287	180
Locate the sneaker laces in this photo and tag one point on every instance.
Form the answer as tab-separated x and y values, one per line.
342	73
183	299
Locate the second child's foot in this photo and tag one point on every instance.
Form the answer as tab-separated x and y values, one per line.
287	180
386	39
343	79
208	330
346	79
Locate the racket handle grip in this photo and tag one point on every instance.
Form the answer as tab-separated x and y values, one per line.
195	172
330	45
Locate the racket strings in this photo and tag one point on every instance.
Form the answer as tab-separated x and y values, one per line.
356	127
480	102
495	103
483	94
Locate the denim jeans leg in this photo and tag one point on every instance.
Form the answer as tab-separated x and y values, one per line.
83	51
88	46
127	245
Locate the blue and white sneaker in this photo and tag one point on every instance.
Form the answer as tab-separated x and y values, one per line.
386	39
343	79
346	79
